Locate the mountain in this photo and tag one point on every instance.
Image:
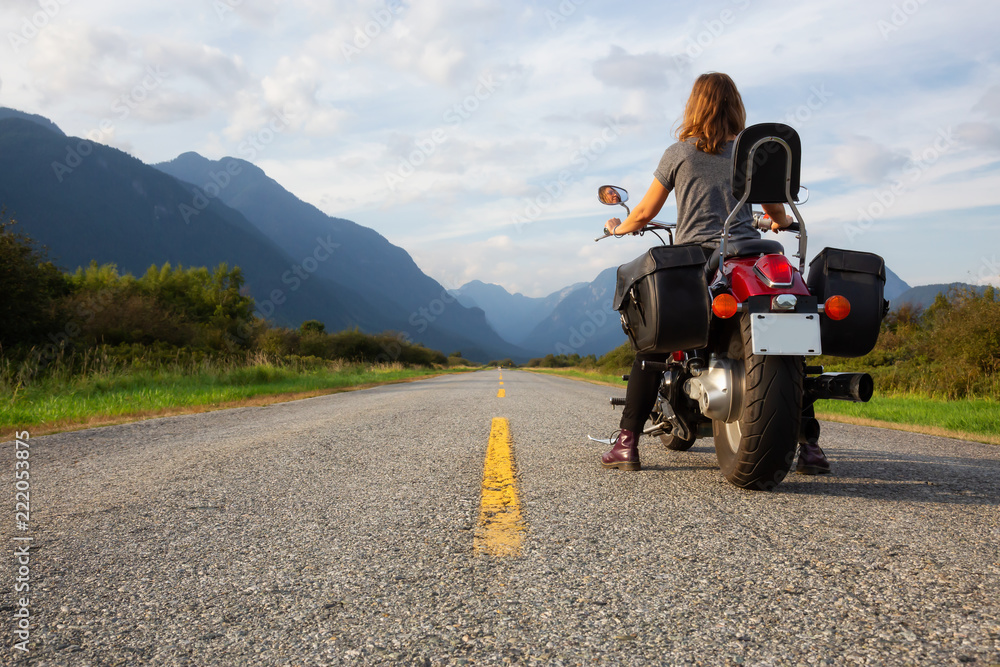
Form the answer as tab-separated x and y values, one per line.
513	316
583	321
386	282
894	285
6	112
923	296
85	201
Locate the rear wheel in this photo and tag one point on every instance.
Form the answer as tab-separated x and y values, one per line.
757	450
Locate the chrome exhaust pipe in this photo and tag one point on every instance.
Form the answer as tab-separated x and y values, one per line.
856	387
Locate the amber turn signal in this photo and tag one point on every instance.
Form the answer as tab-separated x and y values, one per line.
725	306
837	307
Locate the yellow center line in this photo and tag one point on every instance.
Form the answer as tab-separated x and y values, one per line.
501	394
501	522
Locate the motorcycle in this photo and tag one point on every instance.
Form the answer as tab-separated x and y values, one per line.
738	330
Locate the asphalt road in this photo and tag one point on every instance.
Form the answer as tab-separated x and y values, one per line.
339	530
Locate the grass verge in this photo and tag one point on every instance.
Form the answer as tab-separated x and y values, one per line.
595	377
53	406
969	419
966	419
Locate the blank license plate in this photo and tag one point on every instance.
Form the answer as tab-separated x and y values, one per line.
785	333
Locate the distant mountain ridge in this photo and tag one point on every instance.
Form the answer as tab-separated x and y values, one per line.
385	281
513	316
577	319
88	202
923	296
894	285
583	322
42	121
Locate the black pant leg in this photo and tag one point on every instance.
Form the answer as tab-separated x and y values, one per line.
640	395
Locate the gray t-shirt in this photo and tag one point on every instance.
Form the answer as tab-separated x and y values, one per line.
702	184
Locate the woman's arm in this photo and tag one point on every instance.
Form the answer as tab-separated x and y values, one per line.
777	214
643	212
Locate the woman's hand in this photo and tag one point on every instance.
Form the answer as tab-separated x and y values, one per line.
611	225
777	214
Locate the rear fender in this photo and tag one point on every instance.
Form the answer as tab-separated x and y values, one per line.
745	282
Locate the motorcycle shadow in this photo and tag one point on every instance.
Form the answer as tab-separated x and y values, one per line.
679	460
919	478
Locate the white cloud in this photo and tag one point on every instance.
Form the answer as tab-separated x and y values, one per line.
566	70
620	69
864	160
990	104
980	134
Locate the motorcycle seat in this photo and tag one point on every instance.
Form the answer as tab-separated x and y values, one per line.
744	248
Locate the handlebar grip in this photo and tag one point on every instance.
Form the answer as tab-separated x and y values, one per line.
762	222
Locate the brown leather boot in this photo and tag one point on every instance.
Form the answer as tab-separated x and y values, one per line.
812	460
624	455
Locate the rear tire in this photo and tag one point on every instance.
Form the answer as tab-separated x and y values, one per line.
757	450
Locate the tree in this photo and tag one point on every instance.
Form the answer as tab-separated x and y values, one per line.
312	326
29	289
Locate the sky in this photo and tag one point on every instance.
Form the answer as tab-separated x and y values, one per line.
475	133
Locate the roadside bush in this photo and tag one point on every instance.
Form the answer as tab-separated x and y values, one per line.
178	306
30	290
618	361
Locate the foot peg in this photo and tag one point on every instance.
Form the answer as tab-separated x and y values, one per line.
616	401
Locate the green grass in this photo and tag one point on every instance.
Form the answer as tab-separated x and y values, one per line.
110	395
973	416
581	374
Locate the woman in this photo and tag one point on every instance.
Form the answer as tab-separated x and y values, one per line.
698	169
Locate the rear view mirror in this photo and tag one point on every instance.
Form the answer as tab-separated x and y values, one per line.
612	194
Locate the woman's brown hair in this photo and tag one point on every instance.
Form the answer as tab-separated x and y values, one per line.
713	112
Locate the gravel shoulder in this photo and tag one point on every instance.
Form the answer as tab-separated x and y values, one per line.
338	530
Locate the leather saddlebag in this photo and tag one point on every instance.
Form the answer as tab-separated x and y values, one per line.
859	276
662	296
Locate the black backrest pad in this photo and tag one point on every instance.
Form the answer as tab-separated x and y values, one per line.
767	179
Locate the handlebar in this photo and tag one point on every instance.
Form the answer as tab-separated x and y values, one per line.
762	221
651	226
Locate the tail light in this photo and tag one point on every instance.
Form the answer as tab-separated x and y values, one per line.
679	356
837	307
775	271
725	306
